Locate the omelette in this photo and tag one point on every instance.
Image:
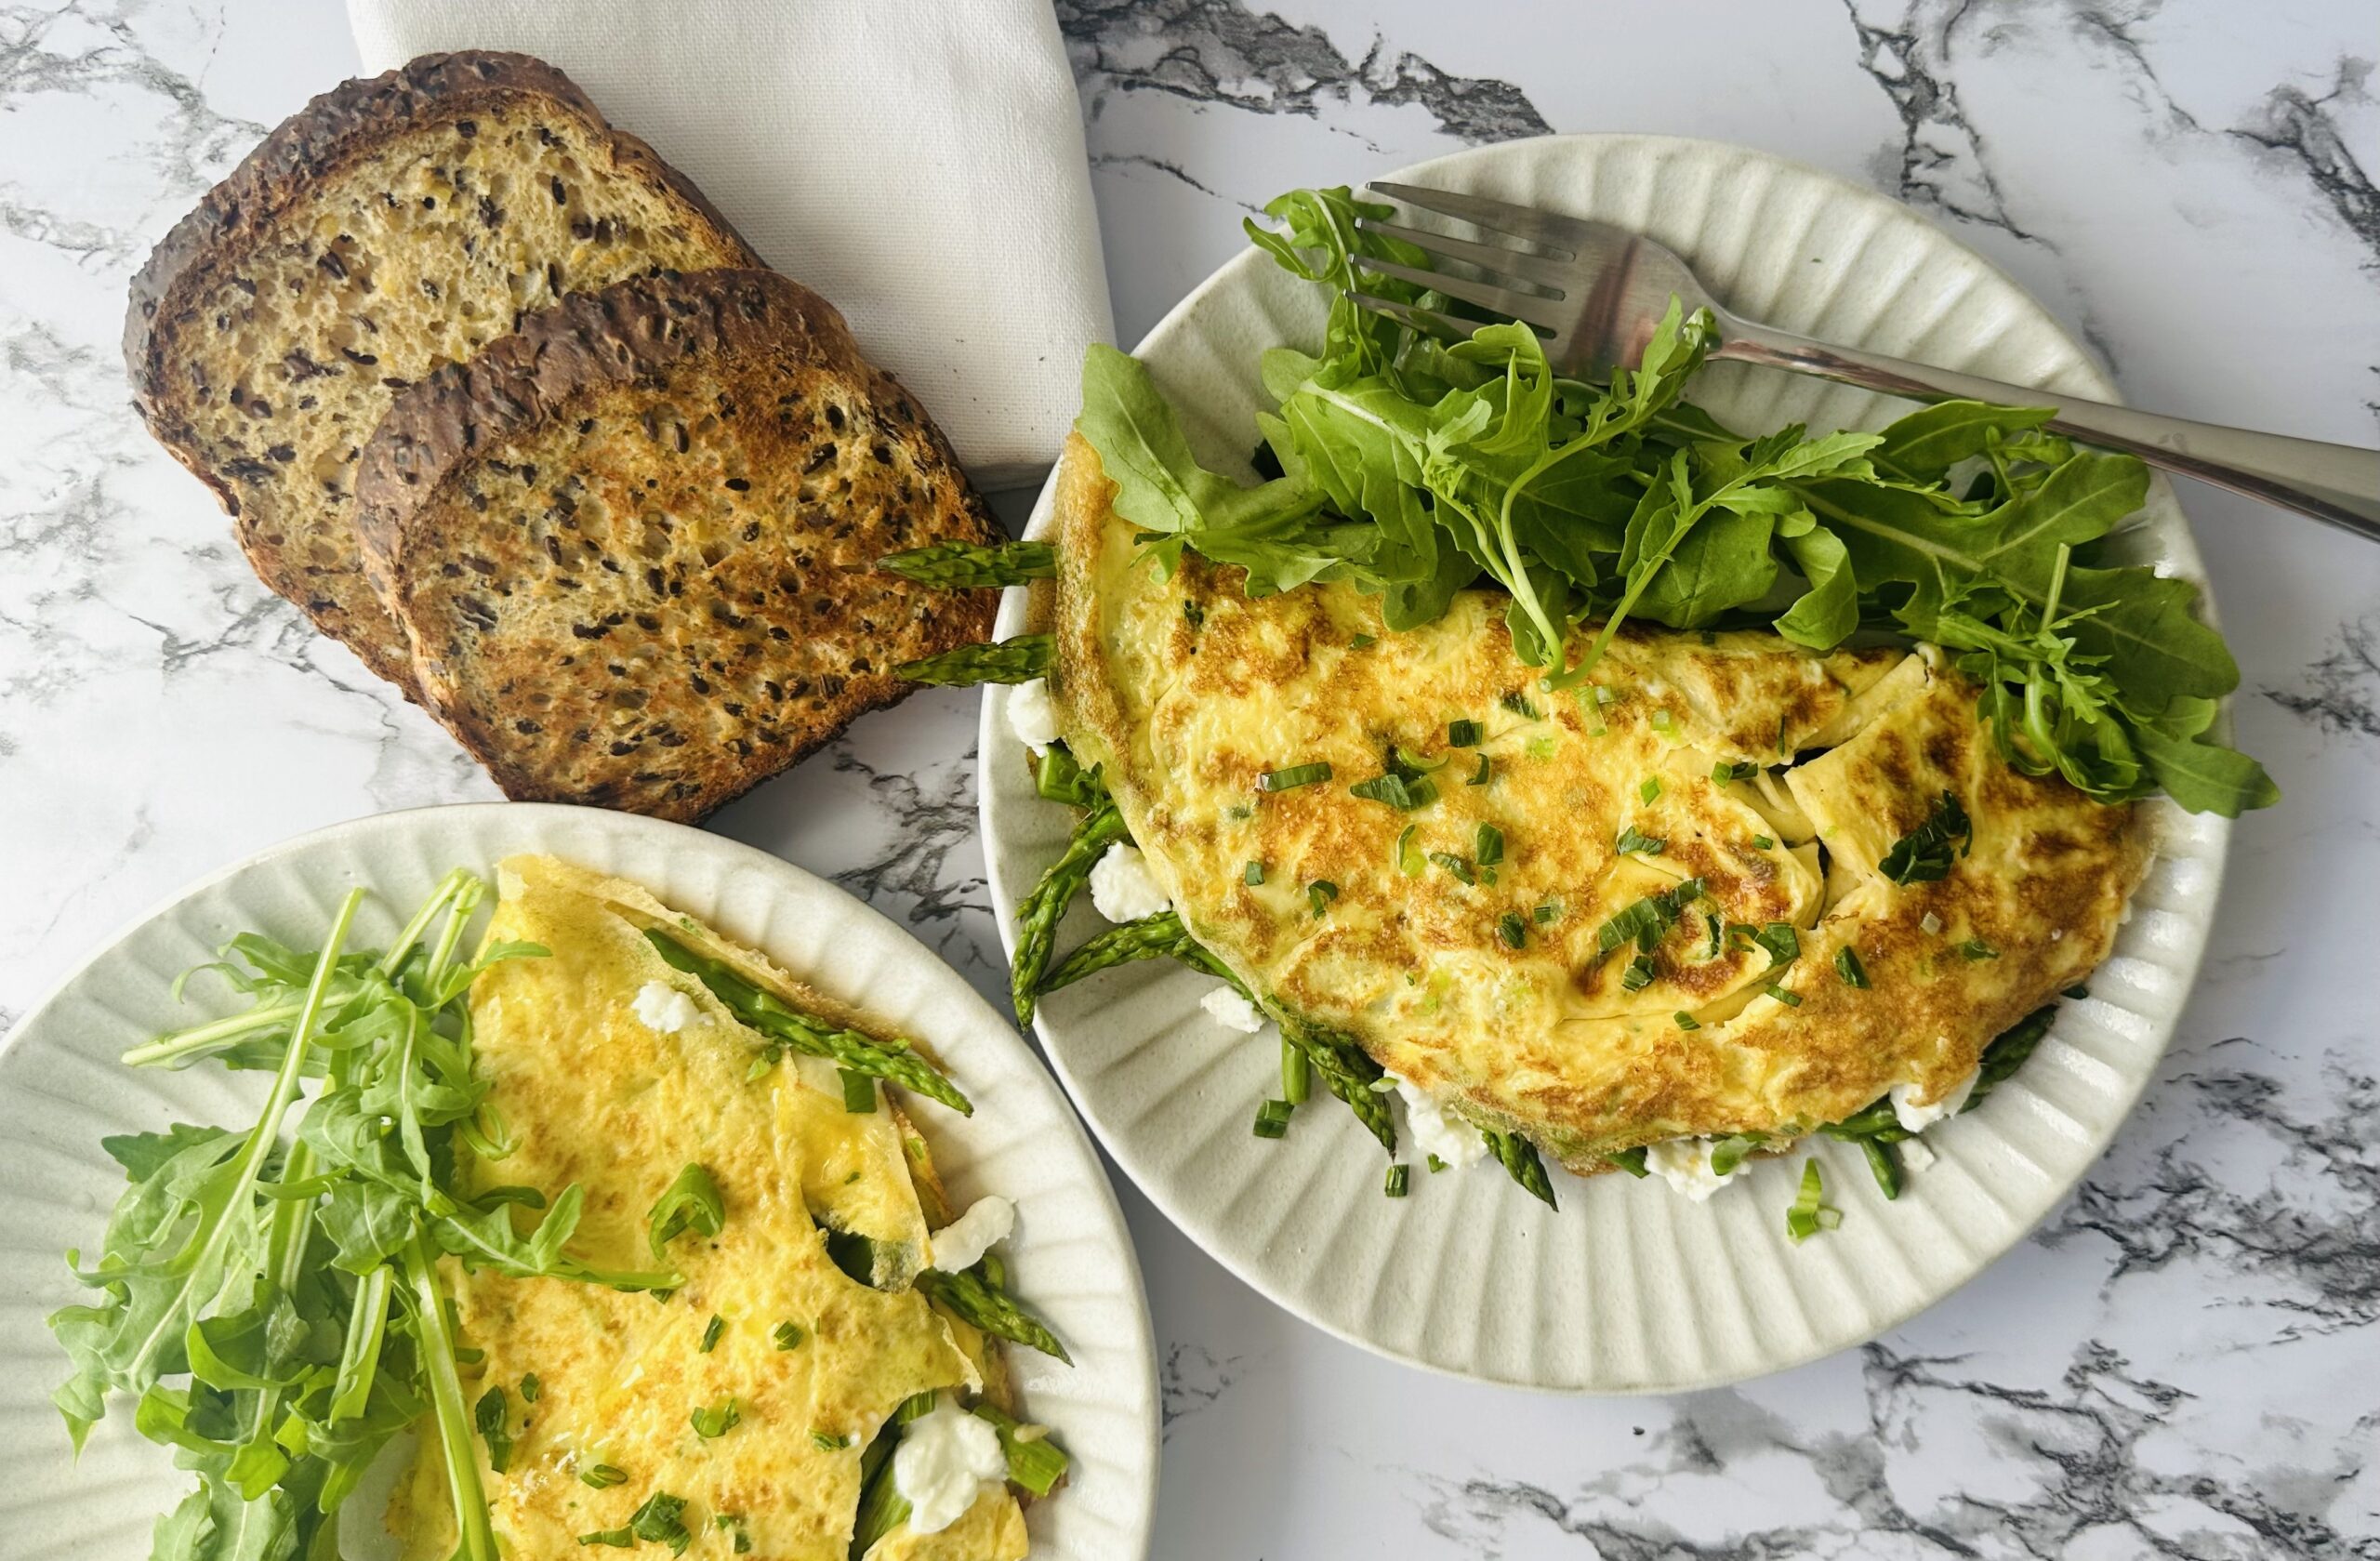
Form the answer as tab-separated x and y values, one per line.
1729	886
744	1400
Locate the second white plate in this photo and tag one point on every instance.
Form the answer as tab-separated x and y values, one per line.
1625	1288
61	1088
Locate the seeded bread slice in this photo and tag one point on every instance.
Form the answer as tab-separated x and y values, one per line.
633	545
391	226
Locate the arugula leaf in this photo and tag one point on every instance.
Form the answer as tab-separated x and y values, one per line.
1922	446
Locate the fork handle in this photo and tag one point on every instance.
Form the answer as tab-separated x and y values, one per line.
2336	483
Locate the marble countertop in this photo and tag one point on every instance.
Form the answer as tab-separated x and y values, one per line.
2183	1361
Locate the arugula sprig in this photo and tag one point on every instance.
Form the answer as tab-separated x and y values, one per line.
1412	468
272	1301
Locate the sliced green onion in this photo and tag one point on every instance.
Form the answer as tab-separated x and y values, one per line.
859	1092
1270	1122
1252	874
711	1330
1319	893
1976	948
1636	840
1464	734
1639	974
1518	704
1650	789
1479	776
1923	854
1360	642
1297	1073
1389	788
1292	777
602	1476
1436	1165
1548	913
1802	1221
1455	865
828	1442
1762	842
1399	1177
1789	998
1726	774
787	1336
1512	930
1847	965
1408	861
1491	845
1662	722
714	1421
1687	1021
1631	1162
1783	944
531	1387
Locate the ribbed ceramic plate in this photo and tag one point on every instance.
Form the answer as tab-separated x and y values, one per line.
1627	1289
61	1089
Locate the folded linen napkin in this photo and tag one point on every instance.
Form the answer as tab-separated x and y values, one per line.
918	163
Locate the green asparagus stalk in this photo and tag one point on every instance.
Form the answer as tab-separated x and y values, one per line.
2008	1053
974	1299
1348	1073
1058	776
1038	1464
1037	918
958	565
770	1015
1011	661
1151	937
1518	1157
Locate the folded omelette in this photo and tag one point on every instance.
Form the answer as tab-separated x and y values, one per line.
1575	932
606	1082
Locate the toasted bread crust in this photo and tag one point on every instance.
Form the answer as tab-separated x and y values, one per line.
240	214
596	349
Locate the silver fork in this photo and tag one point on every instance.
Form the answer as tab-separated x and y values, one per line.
1599	291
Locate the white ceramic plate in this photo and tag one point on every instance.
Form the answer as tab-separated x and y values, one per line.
61	1089
1627	1289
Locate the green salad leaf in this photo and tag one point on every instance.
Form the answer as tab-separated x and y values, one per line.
1411	468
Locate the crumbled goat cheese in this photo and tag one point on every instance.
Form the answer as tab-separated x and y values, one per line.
1453	1141
664	1008
1914	1117
1123	889
1232	1011
962	1243
1031	716
1915	1156
1684	1164
945	1457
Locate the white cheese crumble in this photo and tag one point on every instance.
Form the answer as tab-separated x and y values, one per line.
962	1243
1914	1117
945	1457
1915	1156
1453	1141
1684	1164
1031	716
664	1008
1232	1011
1123	889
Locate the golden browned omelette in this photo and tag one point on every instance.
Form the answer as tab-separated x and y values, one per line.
1496	944
615	1072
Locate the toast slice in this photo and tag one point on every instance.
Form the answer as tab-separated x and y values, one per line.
633	543
391	226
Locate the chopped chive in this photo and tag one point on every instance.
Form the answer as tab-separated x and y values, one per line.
1650	789
1540	748
1456	865
1789	998
2077	991
1464	734
1662	722
787	1335
1779	940
1399	1177
1805	1219
1724	773
1436	1165
1847	965
1408	861
711	1330
1195	615
1782	751
1710	924
859	1092
1399	791
1518	704
1639	974
1923	854
1270	1125
1762	842
1293	777
618	1539
1687	1021
602	1476
1634	838
712	1423
1512	930
828	1442
530	1388
1297	1073
1631	1162
1490	845
1479	776
1547	914
1319	893
1253	873
1976	948
1361	642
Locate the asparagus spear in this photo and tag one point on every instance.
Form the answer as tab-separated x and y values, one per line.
1519	1156
770	1015
974	1299
1151	937
963	564
1348	1073
1037	917
1011	661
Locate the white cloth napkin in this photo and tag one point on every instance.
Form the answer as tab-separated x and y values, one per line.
919	163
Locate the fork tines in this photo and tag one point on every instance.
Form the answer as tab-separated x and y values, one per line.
1548	274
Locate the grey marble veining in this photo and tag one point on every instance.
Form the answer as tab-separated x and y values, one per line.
2183	1361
